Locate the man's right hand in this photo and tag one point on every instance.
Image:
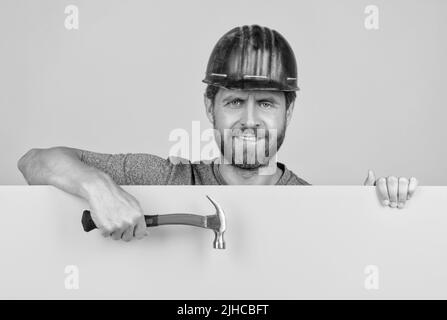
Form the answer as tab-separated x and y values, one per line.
115	212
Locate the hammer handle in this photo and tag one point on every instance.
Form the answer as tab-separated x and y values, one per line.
155	220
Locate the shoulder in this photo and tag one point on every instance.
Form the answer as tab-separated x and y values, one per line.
290	178
295	180
205	172
193	173
154	170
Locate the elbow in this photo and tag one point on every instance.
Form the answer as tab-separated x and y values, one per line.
25	160
37	164
40	157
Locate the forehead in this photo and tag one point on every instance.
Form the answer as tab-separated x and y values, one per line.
224	93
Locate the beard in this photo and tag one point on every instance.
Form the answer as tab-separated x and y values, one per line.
254	152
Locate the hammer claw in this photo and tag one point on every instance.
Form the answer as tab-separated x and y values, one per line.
219	242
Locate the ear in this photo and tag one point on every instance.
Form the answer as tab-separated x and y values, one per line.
208	108
289	112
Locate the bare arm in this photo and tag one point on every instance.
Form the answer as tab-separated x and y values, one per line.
61	167
115	212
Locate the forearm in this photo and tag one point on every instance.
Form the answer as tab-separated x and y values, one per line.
62	167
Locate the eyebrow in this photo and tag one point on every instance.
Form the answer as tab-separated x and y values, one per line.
232	97
271	99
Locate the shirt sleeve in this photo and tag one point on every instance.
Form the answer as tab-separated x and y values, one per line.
131	169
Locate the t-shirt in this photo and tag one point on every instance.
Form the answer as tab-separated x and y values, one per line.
148	169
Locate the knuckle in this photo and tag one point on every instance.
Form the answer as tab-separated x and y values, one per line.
403	180
105	233
133	218
139	235
130	220
136	221
381	180
106	228
117	226
125	225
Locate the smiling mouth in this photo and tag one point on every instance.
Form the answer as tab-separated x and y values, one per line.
248	137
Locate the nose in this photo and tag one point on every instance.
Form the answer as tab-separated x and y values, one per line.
250	117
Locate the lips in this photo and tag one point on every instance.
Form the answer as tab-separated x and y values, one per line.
249	135
248	138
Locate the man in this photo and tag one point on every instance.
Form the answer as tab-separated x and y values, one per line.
252	79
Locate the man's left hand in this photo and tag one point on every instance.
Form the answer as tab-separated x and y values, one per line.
392	191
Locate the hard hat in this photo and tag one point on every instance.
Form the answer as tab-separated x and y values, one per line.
252	58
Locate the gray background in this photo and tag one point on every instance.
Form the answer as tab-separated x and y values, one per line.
133	71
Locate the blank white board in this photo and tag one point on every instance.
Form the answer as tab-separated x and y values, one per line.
283	242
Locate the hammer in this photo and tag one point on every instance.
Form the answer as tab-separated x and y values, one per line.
215	222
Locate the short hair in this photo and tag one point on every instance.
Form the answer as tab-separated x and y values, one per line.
211	92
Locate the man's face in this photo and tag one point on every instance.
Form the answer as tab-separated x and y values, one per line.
249	125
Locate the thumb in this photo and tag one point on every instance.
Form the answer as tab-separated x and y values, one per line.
371	179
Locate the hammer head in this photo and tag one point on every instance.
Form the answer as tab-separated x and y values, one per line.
218	224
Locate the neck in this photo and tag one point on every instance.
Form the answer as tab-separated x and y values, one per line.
240	176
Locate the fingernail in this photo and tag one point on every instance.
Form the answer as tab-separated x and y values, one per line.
393	204
386	202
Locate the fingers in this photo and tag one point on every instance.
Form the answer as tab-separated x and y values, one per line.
118	215
370	179
105	228
395	192
127	231
105	232
393	187
382	190
116	235
118	231
402	192
140	230
412	187
128	234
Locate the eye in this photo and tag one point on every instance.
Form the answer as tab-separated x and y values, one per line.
235	103
266	105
